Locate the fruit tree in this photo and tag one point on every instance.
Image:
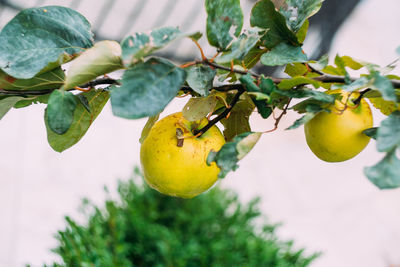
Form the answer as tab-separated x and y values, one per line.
185	153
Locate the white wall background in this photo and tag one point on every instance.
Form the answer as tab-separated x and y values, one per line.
325	207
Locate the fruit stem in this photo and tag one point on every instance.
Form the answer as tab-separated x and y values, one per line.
362	93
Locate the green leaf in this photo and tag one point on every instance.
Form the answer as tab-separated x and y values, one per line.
200	78
358	84
303	93
224	20
384	86
41	99
371	132
60	111
296	69
81	122
393	77
7	103
388	136
84	101
238	121
140	45
312	110
245	145
296	81
320	64
386	107
296	12
302	33
146	129
253	56
39	37
283	54
199	107
341	64
104	57
240	47
302	106
195	36
146	89
386	173
262	106
230	153
265	16
351	63
49	80
341	67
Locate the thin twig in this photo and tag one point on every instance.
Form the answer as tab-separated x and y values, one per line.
217	66
221	88
221	116
278	120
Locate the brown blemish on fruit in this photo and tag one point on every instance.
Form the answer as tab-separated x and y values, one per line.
179	136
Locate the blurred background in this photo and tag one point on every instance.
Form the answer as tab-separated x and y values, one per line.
325	207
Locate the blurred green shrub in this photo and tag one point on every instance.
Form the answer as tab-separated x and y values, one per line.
145	228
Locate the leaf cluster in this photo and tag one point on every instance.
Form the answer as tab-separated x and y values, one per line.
35	45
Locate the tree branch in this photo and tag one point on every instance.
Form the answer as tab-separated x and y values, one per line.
224	88
14	92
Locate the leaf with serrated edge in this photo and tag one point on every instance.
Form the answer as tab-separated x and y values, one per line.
297	11
386	173
140	45
388	136
384	86
104	57
60	111
224	21
303	93
30	30
386	107
303	120
227	157
283	54
262	106
82	120
200	78
147	127
240	47
312	110
320	64
238	121
296	81
352	63
265	16
358	84
296	69
199	107
245	145
48	80
146	89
